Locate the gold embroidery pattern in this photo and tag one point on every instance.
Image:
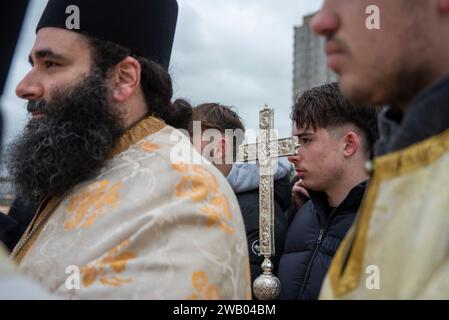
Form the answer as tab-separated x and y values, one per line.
200	185
148	146
113	261
90	203
204	290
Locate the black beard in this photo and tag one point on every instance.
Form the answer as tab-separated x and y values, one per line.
66	146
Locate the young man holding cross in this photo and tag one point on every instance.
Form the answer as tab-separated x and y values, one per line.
336	140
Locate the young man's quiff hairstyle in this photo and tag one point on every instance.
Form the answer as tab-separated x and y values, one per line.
326	107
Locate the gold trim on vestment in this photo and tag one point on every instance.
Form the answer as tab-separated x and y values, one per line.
144	128
345	279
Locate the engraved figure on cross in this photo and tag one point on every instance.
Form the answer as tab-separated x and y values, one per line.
266	151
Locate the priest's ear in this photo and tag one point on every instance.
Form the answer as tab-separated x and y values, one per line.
125	79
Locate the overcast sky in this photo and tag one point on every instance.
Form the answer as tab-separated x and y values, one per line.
235	52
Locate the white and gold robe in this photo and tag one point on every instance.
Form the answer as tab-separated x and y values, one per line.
401	236
143	228
15	286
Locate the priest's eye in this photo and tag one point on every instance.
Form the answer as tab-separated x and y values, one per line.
305	141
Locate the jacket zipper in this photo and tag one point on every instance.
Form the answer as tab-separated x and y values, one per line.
320	236
315	252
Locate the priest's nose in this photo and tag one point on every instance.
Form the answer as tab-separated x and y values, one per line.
29	88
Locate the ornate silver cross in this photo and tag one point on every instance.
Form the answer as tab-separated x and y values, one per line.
266	151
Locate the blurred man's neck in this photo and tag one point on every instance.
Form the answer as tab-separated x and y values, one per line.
419	82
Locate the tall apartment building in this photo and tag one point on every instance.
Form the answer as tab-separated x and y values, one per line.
310	62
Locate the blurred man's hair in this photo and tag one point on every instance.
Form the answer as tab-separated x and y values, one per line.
325	107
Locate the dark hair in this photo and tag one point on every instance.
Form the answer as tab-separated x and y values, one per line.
216	116
325	106
155	80
220	117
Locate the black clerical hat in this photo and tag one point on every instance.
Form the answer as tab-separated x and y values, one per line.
145	26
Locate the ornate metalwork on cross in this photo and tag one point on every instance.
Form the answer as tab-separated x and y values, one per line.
266	151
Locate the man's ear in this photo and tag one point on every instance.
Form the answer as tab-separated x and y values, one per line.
221	147
352	143
125	79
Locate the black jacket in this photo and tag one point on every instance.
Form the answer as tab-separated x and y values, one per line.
312	240
249	205
13	226
10	231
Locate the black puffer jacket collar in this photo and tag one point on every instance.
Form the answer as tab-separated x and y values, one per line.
350	204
